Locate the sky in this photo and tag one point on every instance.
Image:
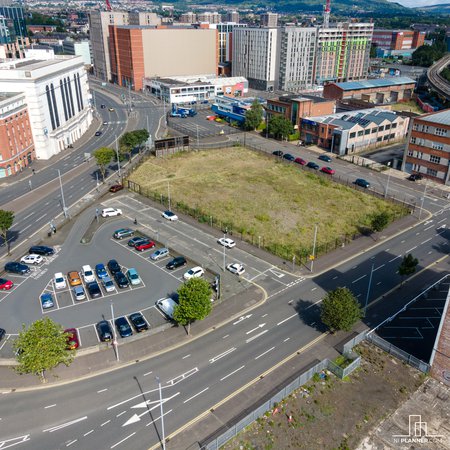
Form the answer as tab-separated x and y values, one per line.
415	3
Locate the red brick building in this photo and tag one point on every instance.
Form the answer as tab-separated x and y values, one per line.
398	39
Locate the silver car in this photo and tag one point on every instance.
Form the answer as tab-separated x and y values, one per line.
79	293
159	254
108	284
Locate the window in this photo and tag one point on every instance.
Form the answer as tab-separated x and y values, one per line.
394	125
410	153
413	140
437	146
367	131
435	159
432	172
352	135
360	133
381	128
440	132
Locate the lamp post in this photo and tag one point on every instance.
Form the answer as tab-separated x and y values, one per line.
423	199
389	177
168	193
62	194
224	256
115	344
118	160
314	248
368	291
163	437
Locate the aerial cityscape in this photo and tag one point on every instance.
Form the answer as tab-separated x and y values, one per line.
224	226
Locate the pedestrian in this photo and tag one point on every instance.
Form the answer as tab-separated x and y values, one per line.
135	221
33	171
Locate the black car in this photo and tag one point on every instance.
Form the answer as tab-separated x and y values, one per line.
288	157
138	322
113	266
2	333
123	327
104	331
415	177
135	241
102	106
176	262
313	165
121	279
94	289
17	267
362	182
278	153
98	133
41	250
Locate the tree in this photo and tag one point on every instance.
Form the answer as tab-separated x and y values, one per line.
6	221
407	266
253	116
280	127
380	221
142	136
194	299
42	347
103	157
340	310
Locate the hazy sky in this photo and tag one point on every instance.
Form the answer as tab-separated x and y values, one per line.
413	3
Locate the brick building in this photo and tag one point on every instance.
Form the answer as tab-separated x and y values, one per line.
428	147
398	39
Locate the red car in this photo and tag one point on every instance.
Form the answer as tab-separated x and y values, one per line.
5	285
73	340
144	246
327	170
116	188
300	161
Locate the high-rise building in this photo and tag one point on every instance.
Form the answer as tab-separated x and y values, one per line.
398	39
209	17
232	16
15	20
269	20
144	18
188	17
79	48
5	37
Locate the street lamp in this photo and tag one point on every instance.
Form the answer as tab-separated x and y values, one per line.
423	199
389	177
115	344
62	194
224	256
314	248
368	291
118	160
163	437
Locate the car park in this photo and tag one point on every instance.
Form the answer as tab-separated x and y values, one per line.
226	242
104	331
94	289
133	277
113	266
5	285
79	293
121	280
415	177
98	133
145	245
16	267
327	170
135	241
325	158
174	263
32	259
41	250
159	254
59	281
88	274
195	272
138	322
167	306
74	278
123	233
169	215
115	188
300	161
313	165
123	327
278	153
289	157
111	212
236	268
108	284
362	182
47	300
100	271
73	340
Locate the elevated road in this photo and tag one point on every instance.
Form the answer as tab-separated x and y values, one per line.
439	84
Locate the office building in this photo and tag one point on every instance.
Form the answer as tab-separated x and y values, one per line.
428	147
15	20
144	18
78	48
5	37
232	16
398	39
209	17
188	17
57	97
269	20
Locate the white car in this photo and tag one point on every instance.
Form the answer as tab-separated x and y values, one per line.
32	259
111	212
195	272
226	242
167	306
236	268
88	274
59	281
169	215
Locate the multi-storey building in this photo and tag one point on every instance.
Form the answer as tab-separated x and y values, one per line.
232	16
225	40
188	17
5	37
209	17
144	18
16	139
56	93
15	19
398	39
79	48
428	147
269	20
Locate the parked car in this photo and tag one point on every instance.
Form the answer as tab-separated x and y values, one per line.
123	233
169	215
111	212
278	153
2	333
415	177
327	170
167	306
79	293
103	106
300	161
362	182
312	165
289	157
47	300
100	271
115	188
111	109
73	341
108	284
17	267
174	263
59	281
226	242
98	133
74	278
133	277
5	285
32	259
121	280
145	245
41	250
104	331
88	274
325	158
195	272
113	266
135	241
236	268
123	327
94	289
159	254
138	322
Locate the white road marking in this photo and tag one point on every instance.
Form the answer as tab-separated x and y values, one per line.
198	393
88	433
442	220
359	295
63	425
231	373
393	259
187	356
224	337
148	373
256	336
264	315
360	278
132	398
123	412
105	423
49	406
402	241
431	226
411	249
102	390
313	289
285	320
379	267
29	215
261	325
153	421
37	220
183	376
24	229
71	442
286	339
262	354
424	242
335	277
123	440
242	318
221	355
378	283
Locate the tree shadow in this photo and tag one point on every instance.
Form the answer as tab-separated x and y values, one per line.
366	231
309	313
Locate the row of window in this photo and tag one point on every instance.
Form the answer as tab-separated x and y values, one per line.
419	155
372	131
429	129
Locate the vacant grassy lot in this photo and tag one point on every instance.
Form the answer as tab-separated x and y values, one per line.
407	106
257	196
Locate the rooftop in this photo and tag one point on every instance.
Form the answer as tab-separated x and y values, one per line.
440	117
379	82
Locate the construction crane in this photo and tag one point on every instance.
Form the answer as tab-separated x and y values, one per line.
108	5
326	14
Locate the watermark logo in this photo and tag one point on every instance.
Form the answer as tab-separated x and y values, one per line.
417	433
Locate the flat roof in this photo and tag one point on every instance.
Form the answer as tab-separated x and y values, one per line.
376	83
441	117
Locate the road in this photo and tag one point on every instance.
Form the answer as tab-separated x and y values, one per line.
440	84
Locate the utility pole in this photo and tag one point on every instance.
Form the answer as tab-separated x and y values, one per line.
168	193
389	177
314	248
118	160
368	291
163	436
62	194
224	256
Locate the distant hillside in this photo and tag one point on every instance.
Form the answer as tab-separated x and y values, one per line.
436	9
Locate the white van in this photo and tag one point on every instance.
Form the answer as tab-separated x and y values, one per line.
167	306
88	274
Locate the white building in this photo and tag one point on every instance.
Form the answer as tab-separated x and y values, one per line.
78	48
57	96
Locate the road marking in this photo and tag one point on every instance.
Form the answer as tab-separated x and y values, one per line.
198	393
37	220
105	423
354	267
132	398
224	337
231	373
411	249
335	277
402	241
379	267
153	421
123	412
261	325
123	440
277	274
286	339
417	234
71	442
88	433
285	320
63	425
431	226
49	406
26	228
426	241
264	315
393	259
256	336
225	353
442	220
29	215
313	289
360	278
242	318
187	356
102	390
262	354
379	283
183	376
148	373
359	295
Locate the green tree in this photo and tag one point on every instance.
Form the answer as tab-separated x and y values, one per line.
254	116
6	221
142	136
41	347
103	156
127	142
280	127
380	221
408	266
340	310
194	299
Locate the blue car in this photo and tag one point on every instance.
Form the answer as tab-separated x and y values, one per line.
325	158
100	270
16	267
47	300
288	157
